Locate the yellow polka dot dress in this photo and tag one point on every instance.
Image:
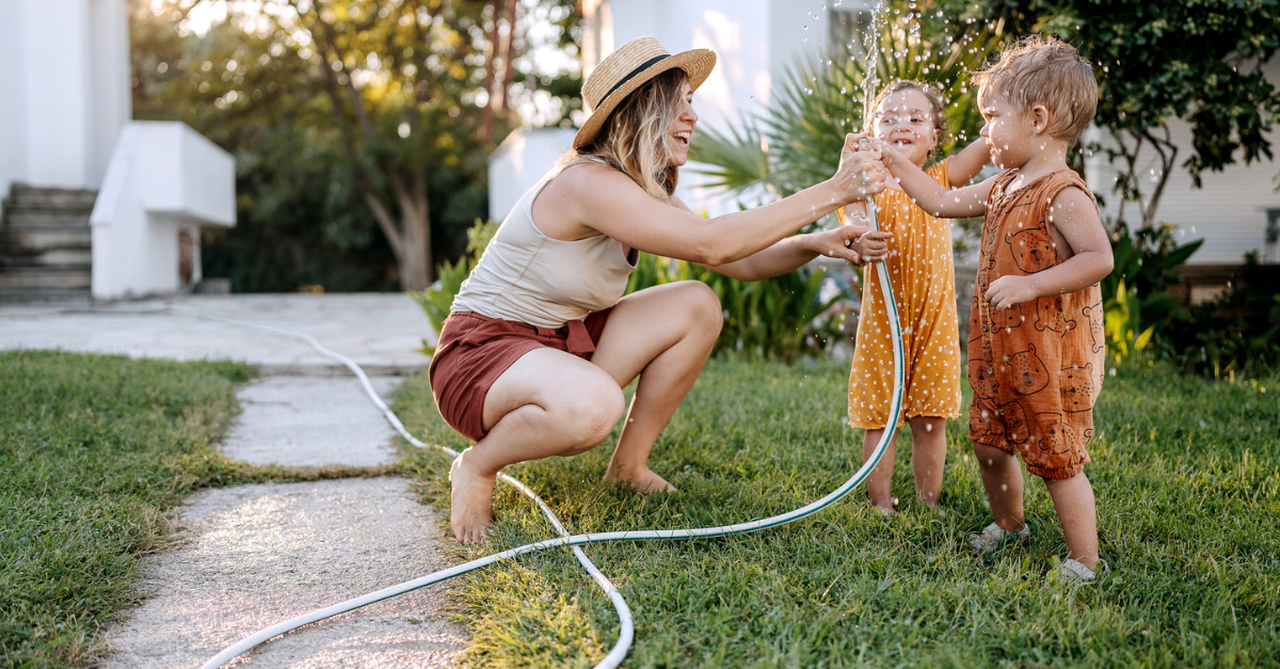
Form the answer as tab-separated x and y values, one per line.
921	271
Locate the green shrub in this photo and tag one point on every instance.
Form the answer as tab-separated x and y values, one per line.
1237	333
436	300
780	318
1137	302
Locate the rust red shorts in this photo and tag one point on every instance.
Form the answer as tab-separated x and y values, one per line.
475	350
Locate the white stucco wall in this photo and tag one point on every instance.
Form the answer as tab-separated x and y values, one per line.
522	159
66	86
1229	212
164	179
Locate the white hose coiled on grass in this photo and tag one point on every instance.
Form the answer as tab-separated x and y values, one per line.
623	644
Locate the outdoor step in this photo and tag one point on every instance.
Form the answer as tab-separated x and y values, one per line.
28	197
15	240
46	217
65	258
44	278
27	296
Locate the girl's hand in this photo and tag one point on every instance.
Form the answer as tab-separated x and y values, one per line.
873	245
856	244
1008	291
861	174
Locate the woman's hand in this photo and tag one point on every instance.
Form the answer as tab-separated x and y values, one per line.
856	244
860	174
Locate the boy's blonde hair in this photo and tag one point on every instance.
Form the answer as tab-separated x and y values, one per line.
1048	72
636	138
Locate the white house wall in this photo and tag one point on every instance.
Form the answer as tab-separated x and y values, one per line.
66	84
13	83
1229	212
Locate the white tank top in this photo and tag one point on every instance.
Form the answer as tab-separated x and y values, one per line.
528	277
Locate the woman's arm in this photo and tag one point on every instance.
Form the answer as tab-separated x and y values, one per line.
589	198
966	164
931	196
856	244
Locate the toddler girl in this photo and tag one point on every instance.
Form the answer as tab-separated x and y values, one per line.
909	116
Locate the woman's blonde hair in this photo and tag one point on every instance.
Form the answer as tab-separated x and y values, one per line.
636	138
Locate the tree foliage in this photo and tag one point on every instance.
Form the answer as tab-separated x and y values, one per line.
357	126
1198	60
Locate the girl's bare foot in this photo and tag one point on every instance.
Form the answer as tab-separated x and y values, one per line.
642	480
471	502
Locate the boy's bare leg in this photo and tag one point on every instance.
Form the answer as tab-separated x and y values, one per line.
928	456
880	482
1002	479
1073	500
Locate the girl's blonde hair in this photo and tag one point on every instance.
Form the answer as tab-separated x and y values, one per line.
936	107
636	138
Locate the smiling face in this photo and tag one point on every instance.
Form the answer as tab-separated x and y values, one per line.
905	120
1009	131
681	131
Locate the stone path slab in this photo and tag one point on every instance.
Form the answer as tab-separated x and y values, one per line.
312	422
257	555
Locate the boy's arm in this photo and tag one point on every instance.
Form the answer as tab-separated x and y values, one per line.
966	165
1088	258
930	195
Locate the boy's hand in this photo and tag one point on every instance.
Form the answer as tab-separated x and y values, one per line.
1008	291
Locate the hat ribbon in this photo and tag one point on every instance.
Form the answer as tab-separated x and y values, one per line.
632	75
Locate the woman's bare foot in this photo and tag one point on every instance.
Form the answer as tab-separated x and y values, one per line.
471	502
642	480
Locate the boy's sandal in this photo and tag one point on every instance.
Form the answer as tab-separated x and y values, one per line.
994	538
1073	573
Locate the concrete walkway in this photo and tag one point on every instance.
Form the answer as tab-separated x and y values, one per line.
253	556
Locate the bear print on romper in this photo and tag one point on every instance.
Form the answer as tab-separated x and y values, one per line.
1036	368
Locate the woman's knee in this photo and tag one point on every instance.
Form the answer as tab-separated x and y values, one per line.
589	413
702	305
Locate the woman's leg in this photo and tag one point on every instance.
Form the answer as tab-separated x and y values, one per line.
663	334
553	403
928	456
547	403
880	481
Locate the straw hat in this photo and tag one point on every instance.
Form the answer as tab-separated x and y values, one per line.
628	68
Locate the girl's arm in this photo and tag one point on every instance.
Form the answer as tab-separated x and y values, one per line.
856	244
930	195
1074	217
966	164
590	199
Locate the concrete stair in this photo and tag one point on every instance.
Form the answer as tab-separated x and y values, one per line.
46	244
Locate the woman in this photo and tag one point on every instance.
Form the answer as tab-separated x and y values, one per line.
541	342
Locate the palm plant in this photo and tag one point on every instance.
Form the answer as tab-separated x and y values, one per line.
796	142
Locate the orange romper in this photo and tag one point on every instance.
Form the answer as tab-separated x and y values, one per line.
1035	368
921	271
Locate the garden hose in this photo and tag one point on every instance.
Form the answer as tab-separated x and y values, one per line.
622	646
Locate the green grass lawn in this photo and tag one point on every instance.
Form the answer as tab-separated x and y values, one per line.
1188	490
94	450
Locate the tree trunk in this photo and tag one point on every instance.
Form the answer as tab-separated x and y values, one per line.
415	262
